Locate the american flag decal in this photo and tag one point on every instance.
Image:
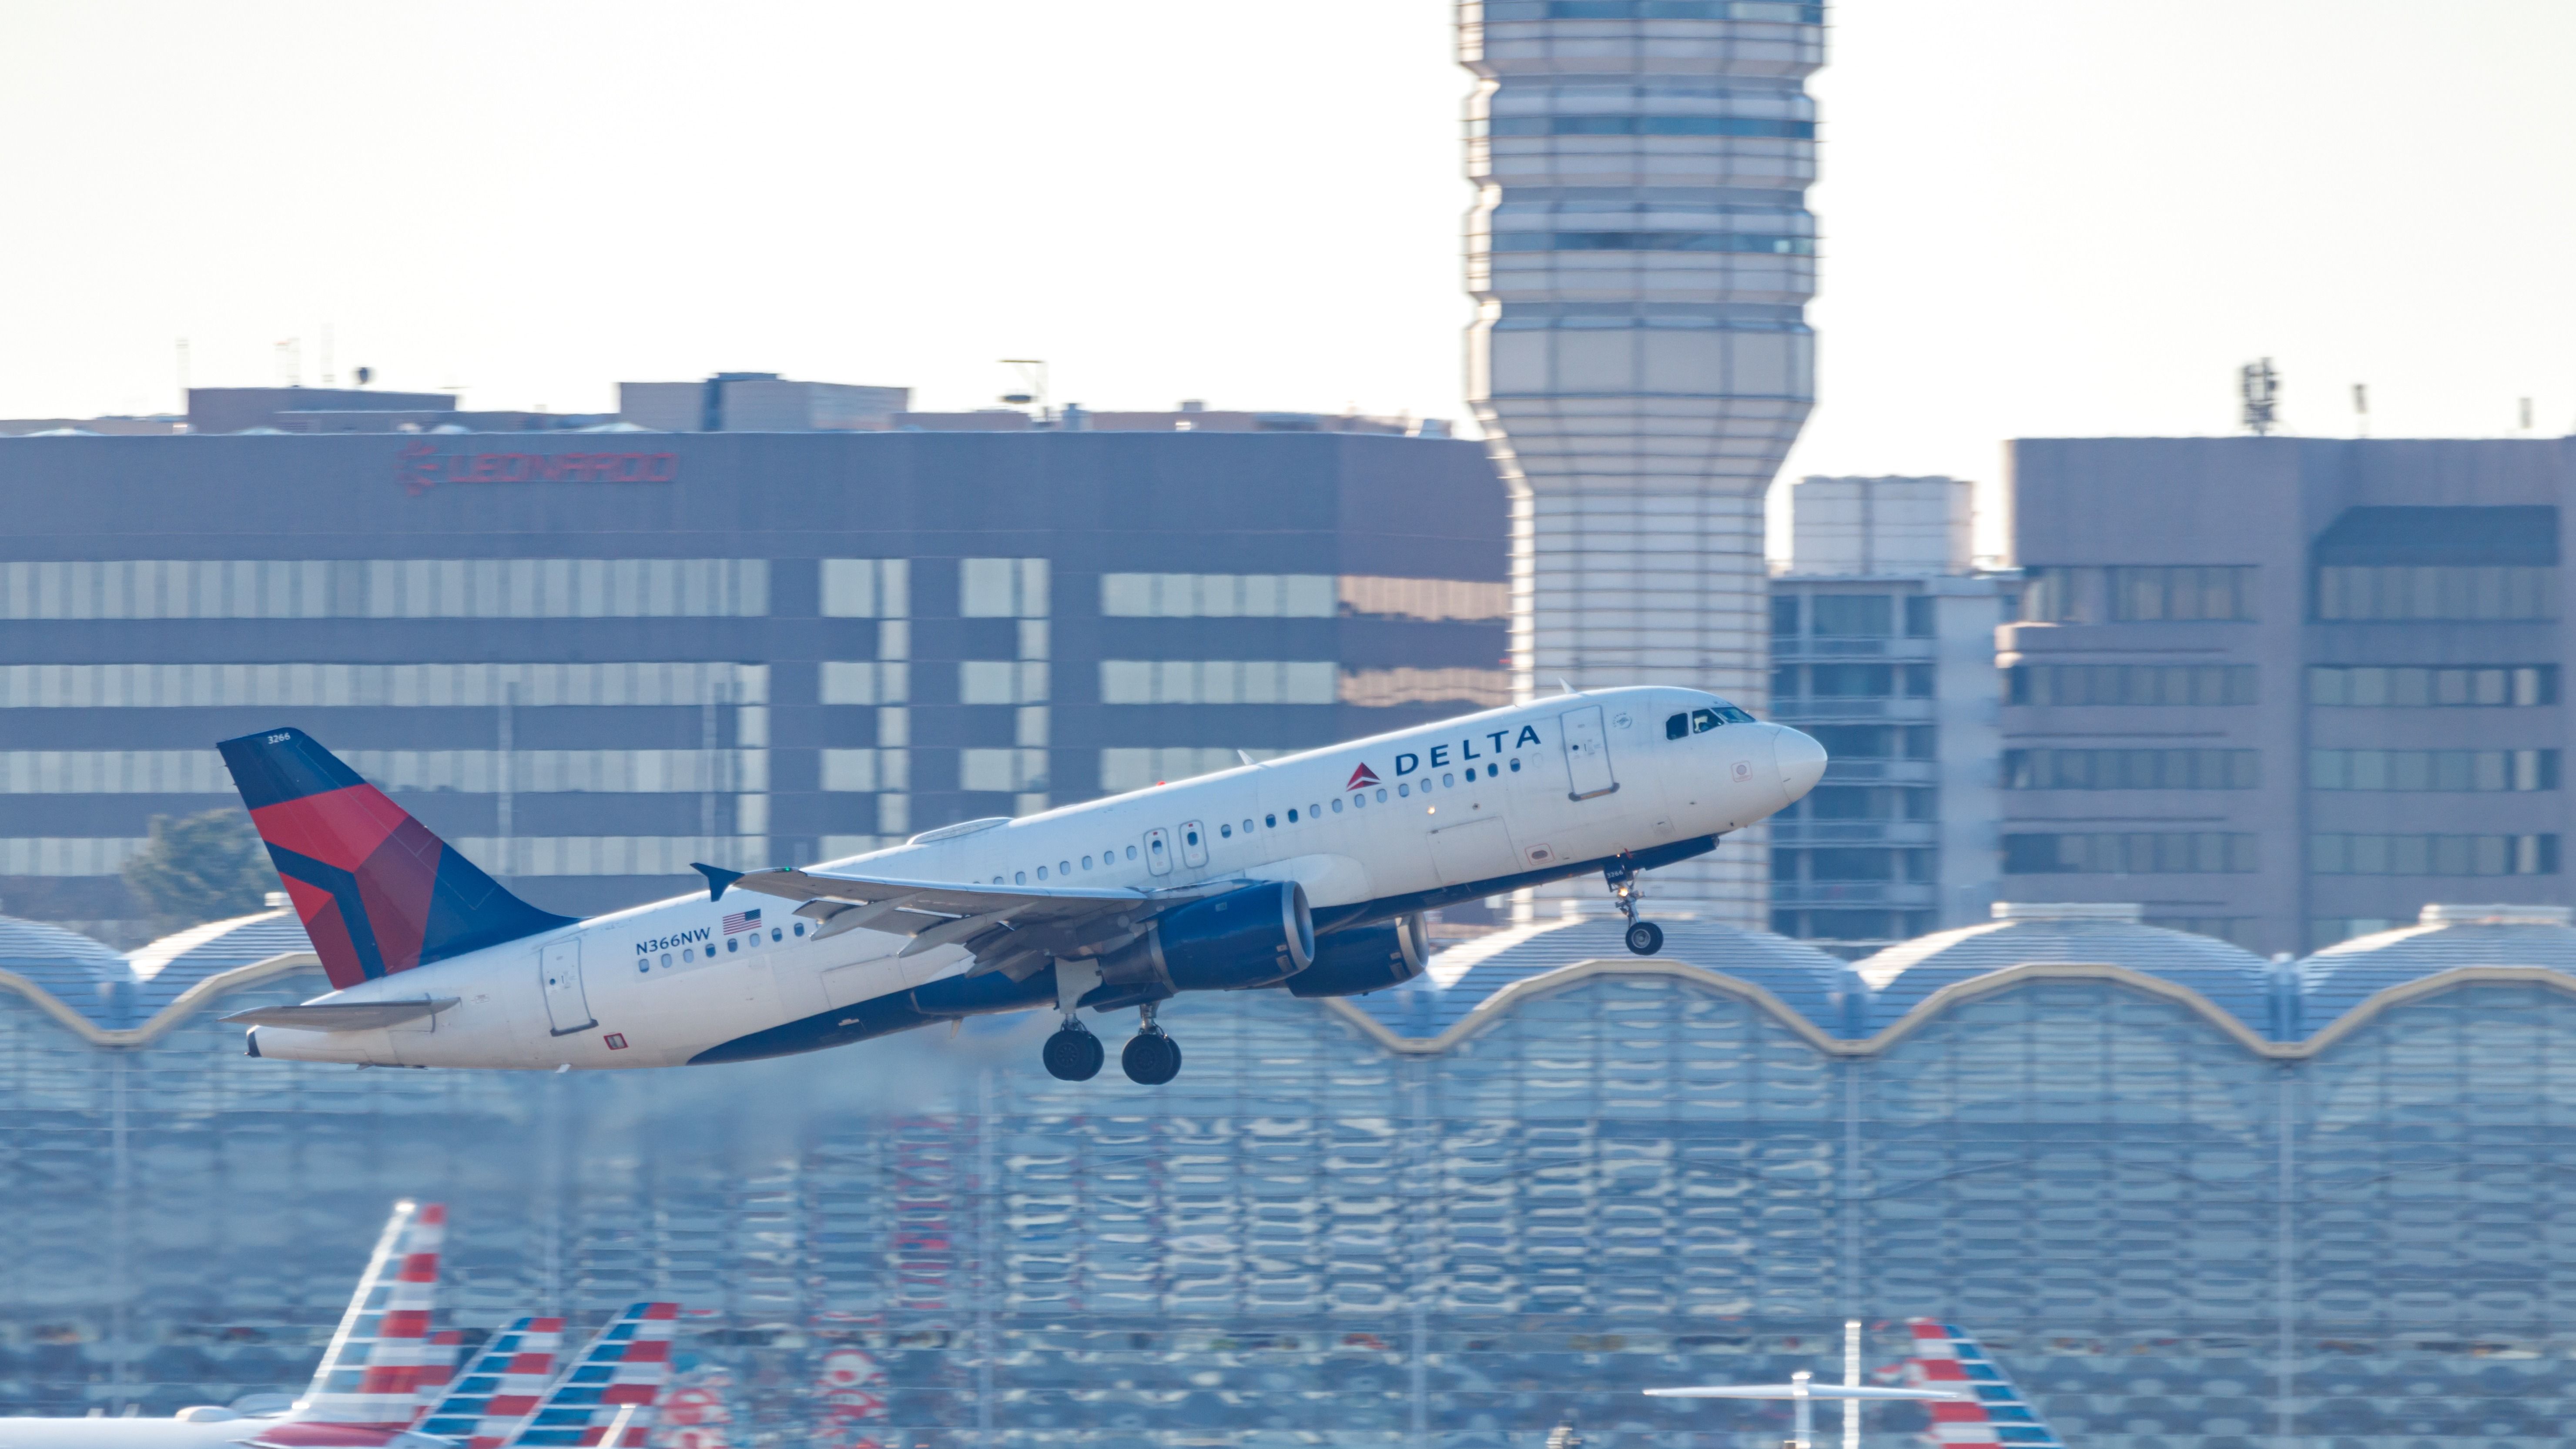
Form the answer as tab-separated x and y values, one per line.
742	921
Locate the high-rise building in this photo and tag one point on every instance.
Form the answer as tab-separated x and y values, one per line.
1883	648
2287	690
1641	255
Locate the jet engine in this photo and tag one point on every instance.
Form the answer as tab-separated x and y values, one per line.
1373	958
1257	936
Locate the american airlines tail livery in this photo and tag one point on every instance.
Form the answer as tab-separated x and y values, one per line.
1990	1409
365	1394
1309	872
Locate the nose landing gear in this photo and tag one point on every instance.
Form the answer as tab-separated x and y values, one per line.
1645	938
1152	1058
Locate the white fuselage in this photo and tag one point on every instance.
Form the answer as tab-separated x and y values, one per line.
1479	798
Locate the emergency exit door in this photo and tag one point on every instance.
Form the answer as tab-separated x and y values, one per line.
567	1005
1587	753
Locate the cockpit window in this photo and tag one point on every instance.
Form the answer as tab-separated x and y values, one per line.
1701	721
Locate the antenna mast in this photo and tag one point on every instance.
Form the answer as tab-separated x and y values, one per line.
2261	387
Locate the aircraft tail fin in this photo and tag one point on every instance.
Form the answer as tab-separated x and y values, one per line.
447	1355
610	1389
369	1379
377	892
1946	1357
501	1387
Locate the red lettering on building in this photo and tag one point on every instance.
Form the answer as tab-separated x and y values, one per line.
420	466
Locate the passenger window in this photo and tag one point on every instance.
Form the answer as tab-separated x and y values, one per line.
1042	872
1247	827
1516	764
1086	862
731	945
776	934
1270	820
1292	817
1704	720
1448	779
1190	837
1131	852
1337	807
1677	726
1225	832
1314	810
1381	796
1404	789
800	928
1019	877
1064	867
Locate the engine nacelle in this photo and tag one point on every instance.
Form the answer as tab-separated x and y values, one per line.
1353	963
1260	935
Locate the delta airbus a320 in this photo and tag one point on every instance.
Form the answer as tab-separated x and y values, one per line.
1309	872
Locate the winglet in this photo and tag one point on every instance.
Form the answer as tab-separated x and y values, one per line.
717	878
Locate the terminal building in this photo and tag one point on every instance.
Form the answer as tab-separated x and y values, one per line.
2190	1198
592	657
2287	690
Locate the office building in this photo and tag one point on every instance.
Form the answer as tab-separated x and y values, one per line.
2189	1198
589	659
1882	647
1641	257
2287	690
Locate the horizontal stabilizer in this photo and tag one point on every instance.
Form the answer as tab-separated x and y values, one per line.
342	1015
1799	1391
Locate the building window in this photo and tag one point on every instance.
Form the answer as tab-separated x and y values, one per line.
1875	742
1217	681
2188	769
1855	616
1733	242
2433	854
1760	126
2437	591
2413	686
1852	681
2133	684
2181	592
2433	769
1918	617
2134	852
1236	596
1784	615
2057	595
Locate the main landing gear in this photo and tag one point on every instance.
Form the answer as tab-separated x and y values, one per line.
1073	1054
1645	938
1151	1059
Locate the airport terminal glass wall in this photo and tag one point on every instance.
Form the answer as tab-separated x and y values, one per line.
1614	1179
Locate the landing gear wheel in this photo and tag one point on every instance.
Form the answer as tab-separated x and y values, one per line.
1073	1054
1645	938
1151	1058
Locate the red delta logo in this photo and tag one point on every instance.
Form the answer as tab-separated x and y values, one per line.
420	466
1361	776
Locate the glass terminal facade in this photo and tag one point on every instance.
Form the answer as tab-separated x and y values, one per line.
2175	1228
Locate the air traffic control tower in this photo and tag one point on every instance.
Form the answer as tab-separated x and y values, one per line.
1642	255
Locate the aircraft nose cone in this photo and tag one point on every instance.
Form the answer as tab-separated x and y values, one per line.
1802	762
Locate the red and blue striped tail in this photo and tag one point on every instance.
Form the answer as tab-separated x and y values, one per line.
502	1387
377	892
368	1385
1945	1357
611	1388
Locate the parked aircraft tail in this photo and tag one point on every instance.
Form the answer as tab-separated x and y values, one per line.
610	1389
499	1390
377	892
368	1385
1945	1357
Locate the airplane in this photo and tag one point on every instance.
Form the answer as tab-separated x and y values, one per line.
364	1393
1992	1410
1309	872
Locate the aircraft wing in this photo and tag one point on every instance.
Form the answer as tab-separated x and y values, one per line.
996	923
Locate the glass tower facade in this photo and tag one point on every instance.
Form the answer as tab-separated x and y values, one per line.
2176	1229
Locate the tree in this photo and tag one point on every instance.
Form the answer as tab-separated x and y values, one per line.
201	868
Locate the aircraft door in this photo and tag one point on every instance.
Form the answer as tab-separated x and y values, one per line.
1193	844
1587	754
567	1005
1158	851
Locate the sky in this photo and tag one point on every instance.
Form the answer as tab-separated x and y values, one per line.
2038	218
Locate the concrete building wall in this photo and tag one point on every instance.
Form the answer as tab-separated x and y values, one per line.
2246	746
589	667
